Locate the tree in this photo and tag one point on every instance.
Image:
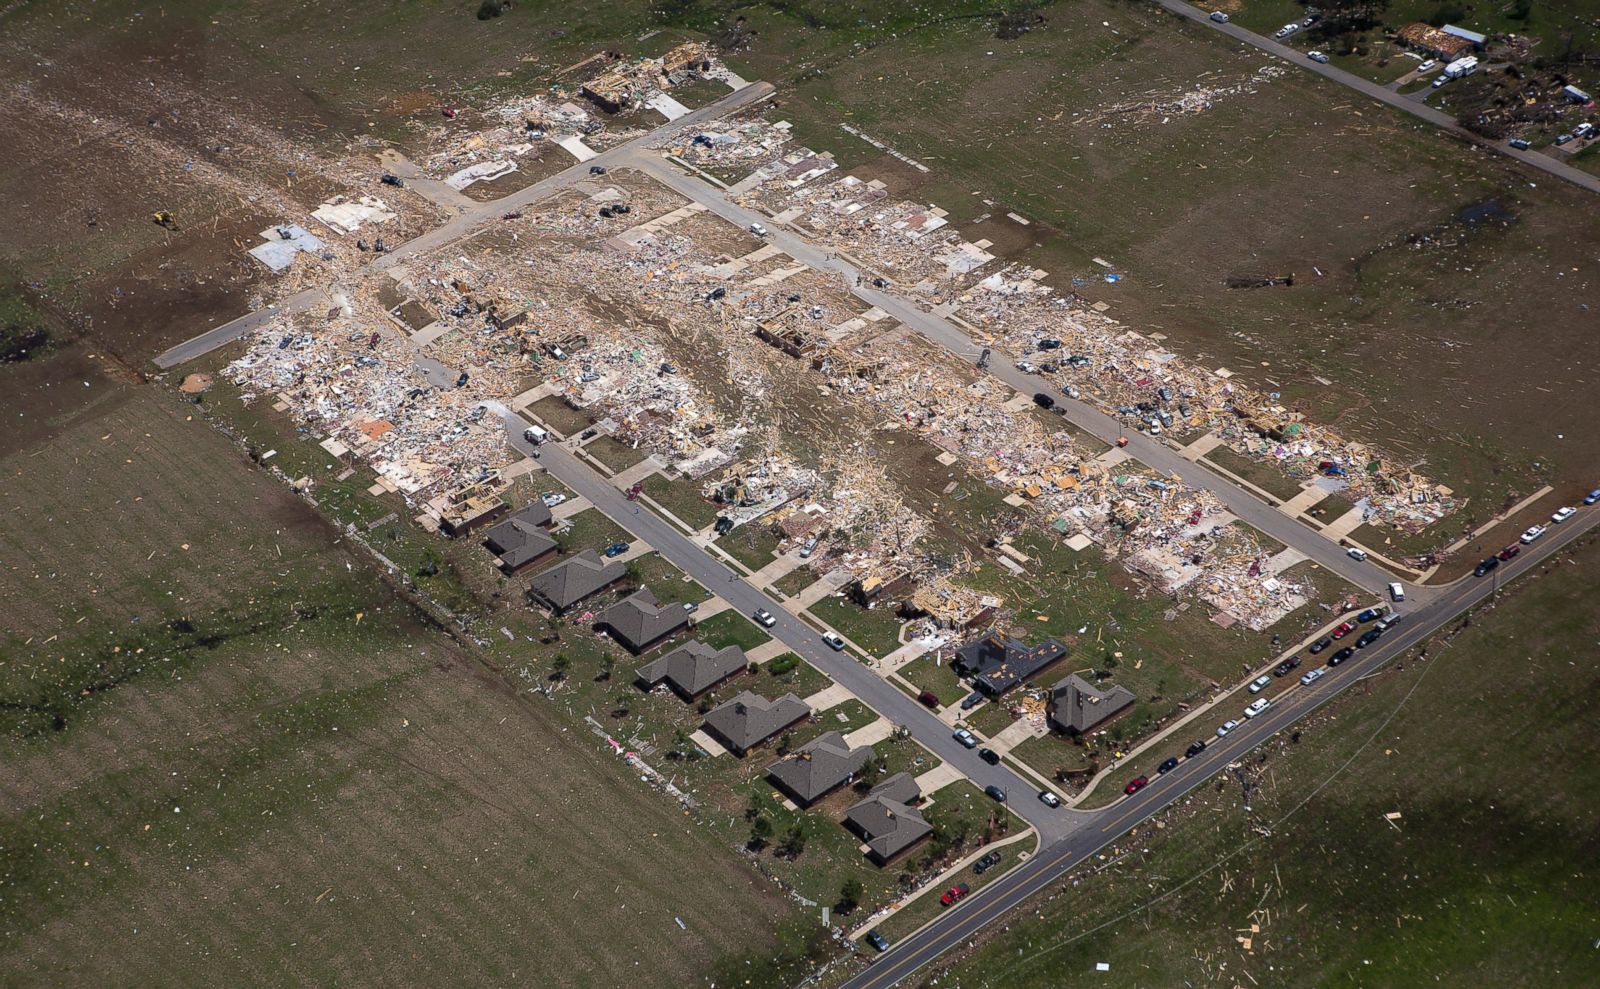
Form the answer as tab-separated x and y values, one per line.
606	666
760	832
786	743
850	894
490	9
559	667
794	842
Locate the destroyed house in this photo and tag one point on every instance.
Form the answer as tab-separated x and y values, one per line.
998	663
609	91
694	668
951	607
472	513
750	719
1430	40
886	821
521	540
639	621
565	584
681	63
874	586
1078	707
818	768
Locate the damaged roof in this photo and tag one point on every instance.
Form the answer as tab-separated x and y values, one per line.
521	539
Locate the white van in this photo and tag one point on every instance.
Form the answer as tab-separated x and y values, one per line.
1397	592
535	435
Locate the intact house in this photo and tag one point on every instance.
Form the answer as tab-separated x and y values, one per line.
694	668
886	821
521	540
750	719
998	663
818	768
566	584
638	621
1078	707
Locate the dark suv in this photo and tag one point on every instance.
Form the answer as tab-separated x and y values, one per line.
1286	666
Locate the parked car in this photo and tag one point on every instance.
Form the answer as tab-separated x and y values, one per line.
1369	638
1286	666
1256	707
691	606
929	698
597	169
833	641
995	793
1043	401
971	701
1136	784
616	549
1219	17
1341	656
1320	645
1397	591
989	755
765	618
1592	497
1563	139
967	739
809	548
758	230
1260	683
635	491
1510	551
877	940
1356	553
954	893
1520	143
1440	81
1227	726
1534	532
1486	566
1425	66
1317	57
986	863
553	498
1344	629
1167	766
1285	31
1388	623
1049	799
1194	749
1312	676
1563	513
1370	615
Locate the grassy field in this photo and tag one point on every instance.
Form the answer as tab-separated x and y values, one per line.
1413	834
925	674
876	630
681	498
228	748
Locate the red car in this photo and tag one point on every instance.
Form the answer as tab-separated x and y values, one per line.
1344	630
953	894
1139	783
1510	551
633	492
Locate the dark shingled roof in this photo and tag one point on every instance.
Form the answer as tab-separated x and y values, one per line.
638	621
889	826
818	766
521	539
565	584
695	668
750	719
1077	706
999	663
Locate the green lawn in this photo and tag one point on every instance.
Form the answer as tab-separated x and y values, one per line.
682	498
614	455
926	675
667	582
729	628
1261	474
590	529
877	630
804	680
560	416
795	581
753	545
990	718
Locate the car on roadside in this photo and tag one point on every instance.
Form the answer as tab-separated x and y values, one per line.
1341	656
972	700
1320	645
1136	784
877	940
1397	591
1509	552
1194	749
1370	615
1219	17
1592	497
967	739
995	793
1562	139
833	640
954	893
1287	666
1043	401
1388	623
597	169
989	755
765	618
1167	766
758	230
986	863
929	699
1344	629
1256	707
1369	638
1563	513
616	549
1356	553
1487	565
1520	143
1260	683
1312	676
1226	727
1286	30
1049	799
1317	57
1534	532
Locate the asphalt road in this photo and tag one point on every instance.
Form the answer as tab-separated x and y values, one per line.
468	220
1100	828
1382	94
1163	459
868	686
